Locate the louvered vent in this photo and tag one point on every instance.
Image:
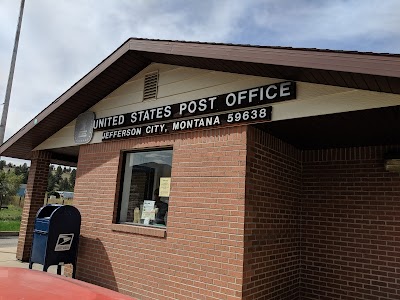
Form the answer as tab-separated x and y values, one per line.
150	86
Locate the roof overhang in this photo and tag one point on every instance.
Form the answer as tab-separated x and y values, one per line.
367	71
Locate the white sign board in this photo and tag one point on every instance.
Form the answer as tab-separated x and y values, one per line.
149	210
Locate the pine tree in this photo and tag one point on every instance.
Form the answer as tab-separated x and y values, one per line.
72	179
23	171
9	185
51	182
64	185
58	175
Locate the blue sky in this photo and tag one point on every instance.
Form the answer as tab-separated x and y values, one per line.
63	40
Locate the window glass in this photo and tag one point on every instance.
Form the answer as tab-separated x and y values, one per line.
144	201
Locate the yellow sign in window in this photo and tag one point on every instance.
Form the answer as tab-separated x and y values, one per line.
165	186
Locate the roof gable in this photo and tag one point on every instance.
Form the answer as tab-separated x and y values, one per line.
368	71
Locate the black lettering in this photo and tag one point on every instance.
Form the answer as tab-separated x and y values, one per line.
202	105
140	115
115	120
175	126
252	94
146	116
189	124
284	90
242	96
159	113
192	106
267	92
167	111
225	102
109	119
133	117
230	99
152	111
182	108
212	99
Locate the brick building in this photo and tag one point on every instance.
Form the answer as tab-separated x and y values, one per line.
215	171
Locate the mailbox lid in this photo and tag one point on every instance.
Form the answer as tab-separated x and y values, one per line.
47	210
42	225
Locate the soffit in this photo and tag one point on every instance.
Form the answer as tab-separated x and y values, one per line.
352	129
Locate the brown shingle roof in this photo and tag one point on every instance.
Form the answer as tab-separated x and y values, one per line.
275	47
361	70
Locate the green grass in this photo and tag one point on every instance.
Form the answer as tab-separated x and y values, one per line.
10	219
10	225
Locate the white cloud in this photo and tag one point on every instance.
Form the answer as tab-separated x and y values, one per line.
61	42
306	20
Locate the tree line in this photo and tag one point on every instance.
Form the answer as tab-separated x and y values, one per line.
12	176
56	181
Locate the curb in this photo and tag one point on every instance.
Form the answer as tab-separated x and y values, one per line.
9	233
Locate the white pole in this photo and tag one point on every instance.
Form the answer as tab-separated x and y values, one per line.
11	76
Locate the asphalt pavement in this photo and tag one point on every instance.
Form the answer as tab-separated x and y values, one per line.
8	241
8	252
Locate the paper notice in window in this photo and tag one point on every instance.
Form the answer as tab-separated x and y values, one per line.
165	186
149	211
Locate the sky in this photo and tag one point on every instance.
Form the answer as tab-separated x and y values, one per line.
63	40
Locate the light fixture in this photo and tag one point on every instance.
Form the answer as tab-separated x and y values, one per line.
392	162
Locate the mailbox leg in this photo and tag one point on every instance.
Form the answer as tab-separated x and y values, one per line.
59	269
45	267
73	270
30	264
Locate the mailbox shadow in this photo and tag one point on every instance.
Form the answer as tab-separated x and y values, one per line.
94	265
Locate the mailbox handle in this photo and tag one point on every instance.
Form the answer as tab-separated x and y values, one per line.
41	231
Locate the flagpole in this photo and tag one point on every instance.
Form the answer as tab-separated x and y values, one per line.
11	76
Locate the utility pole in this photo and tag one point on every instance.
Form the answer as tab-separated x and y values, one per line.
11	76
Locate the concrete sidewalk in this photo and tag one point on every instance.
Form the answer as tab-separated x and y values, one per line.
8	250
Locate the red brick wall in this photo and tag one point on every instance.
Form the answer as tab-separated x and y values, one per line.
350	226
35	194
302	225
202	254
272	230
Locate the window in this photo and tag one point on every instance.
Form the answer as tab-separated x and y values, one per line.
143	200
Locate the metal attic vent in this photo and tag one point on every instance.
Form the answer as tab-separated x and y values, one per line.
150	86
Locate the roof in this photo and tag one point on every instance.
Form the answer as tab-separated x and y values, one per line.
361	70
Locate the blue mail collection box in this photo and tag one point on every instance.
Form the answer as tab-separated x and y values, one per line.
56	237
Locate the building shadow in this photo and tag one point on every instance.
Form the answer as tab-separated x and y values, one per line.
94	265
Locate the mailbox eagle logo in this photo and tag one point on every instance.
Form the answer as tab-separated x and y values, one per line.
64	242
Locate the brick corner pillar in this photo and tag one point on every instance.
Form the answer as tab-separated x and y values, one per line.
34	199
